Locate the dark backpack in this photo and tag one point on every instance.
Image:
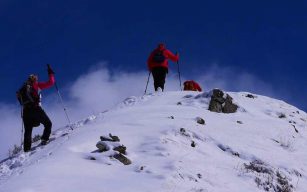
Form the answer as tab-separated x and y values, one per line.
25	94
159	57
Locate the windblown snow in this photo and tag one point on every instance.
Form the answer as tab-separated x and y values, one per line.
261	147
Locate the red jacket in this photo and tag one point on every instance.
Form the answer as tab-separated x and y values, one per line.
37	86
167	54
191	86
44	85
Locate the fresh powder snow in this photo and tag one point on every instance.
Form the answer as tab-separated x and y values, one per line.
261	147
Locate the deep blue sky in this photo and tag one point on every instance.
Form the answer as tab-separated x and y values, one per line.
264	38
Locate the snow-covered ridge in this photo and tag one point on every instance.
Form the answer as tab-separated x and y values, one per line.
260	147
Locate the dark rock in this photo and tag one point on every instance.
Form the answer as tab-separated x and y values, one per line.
236	154
295	128
120	149
179	103
124	160
171	117
229	107
114	138
281	115
215	106
240	122
64	134
217	93
200	120
193	144
102	146
216	101
182	130
250	96
219	104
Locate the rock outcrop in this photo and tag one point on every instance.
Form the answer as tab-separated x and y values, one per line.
222	103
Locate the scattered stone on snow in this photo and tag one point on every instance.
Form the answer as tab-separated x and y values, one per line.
171	117
281	116
228	150
292	122
200	120
183	132
250	96
193	144
294	128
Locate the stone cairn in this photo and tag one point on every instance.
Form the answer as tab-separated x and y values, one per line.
119	150
221	103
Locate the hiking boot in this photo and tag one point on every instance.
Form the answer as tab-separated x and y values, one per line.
44	142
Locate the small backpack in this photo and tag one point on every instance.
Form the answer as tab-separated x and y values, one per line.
159	57
25	94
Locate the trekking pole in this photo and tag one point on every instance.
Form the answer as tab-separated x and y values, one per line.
179	75
147	82
22	126
56	87
58	91
21	115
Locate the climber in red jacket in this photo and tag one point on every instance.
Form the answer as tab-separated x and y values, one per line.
158	64
33	114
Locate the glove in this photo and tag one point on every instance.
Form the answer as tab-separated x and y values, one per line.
50	71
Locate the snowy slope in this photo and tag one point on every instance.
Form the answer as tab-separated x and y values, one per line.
262	146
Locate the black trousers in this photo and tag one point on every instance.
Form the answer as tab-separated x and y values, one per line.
159	75
33	116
